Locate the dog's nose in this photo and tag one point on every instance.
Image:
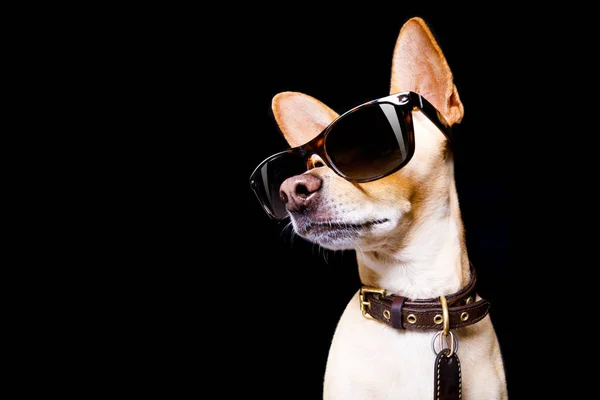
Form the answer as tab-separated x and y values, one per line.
299	191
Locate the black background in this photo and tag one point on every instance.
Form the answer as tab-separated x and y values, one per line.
232	300
170	280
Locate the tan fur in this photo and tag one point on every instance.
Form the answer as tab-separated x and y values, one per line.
419	252
417	48
302	114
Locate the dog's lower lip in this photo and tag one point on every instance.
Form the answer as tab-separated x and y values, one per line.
331	225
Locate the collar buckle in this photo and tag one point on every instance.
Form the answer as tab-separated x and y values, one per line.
365	305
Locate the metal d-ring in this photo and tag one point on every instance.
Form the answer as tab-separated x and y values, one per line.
453	342
452	345
445	315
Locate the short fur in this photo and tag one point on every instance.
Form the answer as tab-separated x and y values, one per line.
418	251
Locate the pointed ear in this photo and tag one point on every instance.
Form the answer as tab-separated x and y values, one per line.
300	117
419	65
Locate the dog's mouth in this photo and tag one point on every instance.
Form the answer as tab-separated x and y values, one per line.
335	234
330	226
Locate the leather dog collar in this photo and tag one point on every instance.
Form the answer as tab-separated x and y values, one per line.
463	308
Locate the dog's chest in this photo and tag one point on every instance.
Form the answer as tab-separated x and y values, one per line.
368	360
372	358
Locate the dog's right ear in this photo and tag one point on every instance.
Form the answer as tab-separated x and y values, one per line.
300	117
419	65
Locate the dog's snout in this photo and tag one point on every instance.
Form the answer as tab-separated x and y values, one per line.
299	191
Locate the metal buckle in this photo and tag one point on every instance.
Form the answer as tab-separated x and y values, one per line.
365	305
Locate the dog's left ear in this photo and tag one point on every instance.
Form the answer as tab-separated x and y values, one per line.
419	65
300	117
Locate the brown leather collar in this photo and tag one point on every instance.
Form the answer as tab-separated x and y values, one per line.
402	313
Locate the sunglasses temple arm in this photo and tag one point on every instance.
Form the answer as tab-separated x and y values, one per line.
436	117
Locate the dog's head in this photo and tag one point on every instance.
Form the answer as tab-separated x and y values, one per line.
337	213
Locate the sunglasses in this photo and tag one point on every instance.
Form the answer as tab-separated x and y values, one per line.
366	143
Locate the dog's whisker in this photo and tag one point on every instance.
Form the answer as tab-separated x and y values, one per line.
361	252
289	228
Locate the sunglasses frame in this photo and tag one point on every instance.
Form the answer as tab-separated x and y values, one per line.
407	102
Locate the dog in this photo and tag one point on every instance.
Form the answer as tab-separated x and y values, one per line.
379	179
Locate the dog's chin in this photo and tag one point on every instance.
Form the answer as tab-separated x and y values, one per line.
336	234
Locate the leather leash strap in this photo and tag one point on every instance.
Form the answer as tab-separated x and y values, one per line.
402	313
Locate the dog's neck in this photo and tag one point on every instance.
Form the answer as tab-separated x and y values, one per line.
430	258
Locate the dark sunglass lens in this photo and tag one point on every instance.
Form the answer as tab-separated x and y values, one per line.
370	142
268	177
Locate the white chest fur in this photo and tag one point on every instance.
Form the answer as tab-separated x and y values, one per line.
370	360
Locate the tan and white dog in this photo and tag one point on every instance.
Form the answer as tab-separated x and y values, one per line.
418	252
